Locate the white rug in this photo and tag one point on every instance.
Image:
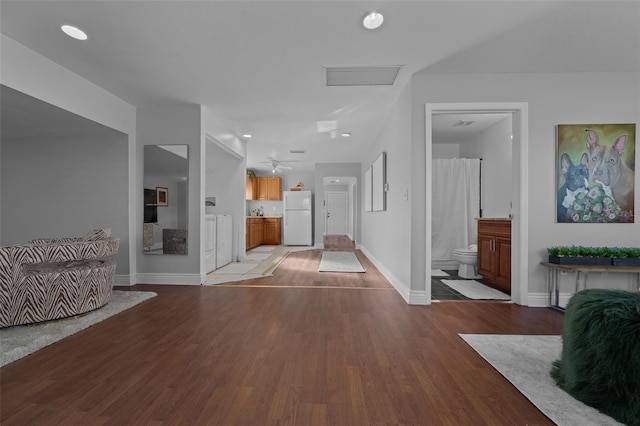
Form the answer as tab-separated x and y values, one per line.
22	340
340	261
236	268
526	362
475	290
438	273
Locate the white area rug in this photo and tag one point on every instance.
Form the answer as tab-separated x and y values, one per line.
236	268
526	362
438	273
258	256
22	340
340	261
475	290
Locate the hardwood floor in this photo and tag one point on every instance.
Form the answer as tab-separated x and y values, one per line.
262	355
338	243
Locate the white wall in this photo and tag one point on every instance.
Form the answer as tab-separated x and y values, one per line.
215	133
552	99
64	188
493	145
173	125
387	235
446	150
31	73
225	180
323	170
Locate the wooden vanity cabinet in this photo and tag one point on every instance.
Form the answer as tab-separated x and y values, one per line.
494	253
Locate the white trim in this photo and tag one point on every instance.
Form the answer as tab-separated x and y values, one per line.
169	279
520	227
419	298
539	300
411	297
124	280
319	246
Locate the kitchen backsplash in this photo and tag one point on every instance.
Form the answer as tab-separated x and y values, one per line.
271	208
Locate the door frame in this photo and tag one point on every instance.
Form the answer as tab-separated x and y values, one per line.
520	188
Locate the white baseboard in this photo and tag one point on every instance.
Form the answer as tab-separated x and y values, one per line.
319	246
169	279
419	298
124	280
537	300
411	297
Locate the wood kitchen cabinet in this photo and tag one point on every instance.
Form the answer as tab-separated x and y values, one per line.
272	231
251	188
263	230
269	188
494	253
255	232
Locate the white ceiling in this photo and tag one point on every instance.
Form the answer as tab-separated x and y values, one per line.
259	66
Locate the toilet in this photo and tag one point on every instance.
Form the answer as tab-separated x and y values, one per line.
467	258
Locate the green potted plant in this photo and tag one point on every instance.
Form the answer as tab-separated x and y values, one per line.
580	255
626	256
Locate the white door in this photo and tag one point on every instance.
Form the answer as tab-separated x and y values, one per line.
336	210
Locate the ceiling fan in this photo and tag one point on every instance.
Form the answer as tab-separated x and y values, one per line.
276	165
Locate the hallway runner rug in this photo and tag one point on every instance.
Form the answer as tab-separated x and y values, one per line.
475	290
340	261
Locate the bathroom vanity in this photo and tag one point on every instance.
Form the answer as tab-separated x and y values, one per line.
494	253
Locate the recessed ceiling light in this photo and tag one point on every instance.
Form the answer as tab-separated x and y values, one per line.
74	32
345	134
372	20
247	136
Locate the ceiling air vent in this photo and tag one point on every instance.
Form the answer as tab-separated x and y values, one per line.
462	123
297	151
362	76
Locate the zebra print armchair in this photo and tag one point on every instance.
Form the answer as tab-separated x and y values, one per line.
48	279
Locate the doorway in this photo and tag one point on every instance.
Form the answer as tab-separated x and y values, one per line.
346	185
336	218
519	187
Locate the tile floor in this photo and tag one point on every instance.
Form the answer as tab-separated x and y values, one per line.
441	291
260	261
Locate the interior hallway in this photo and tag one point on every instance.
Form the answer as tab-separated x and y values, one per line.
262	261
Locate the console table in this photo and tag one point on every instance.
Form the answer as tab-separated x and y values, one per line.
555	269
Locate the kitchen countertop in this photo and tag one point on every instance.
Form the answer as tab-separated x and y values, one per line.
265	217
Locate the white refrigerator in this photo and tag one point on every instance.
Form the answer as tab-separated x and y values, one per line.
297	218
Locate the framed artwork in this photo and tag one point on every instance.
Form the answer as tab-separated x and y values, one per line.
595	173
162	196
367	190
379	183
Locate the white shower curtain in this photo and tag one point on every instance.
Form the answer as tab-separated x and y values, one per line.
454	207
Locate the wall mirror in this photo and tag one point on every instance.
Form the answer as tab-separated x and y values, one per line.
166	170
